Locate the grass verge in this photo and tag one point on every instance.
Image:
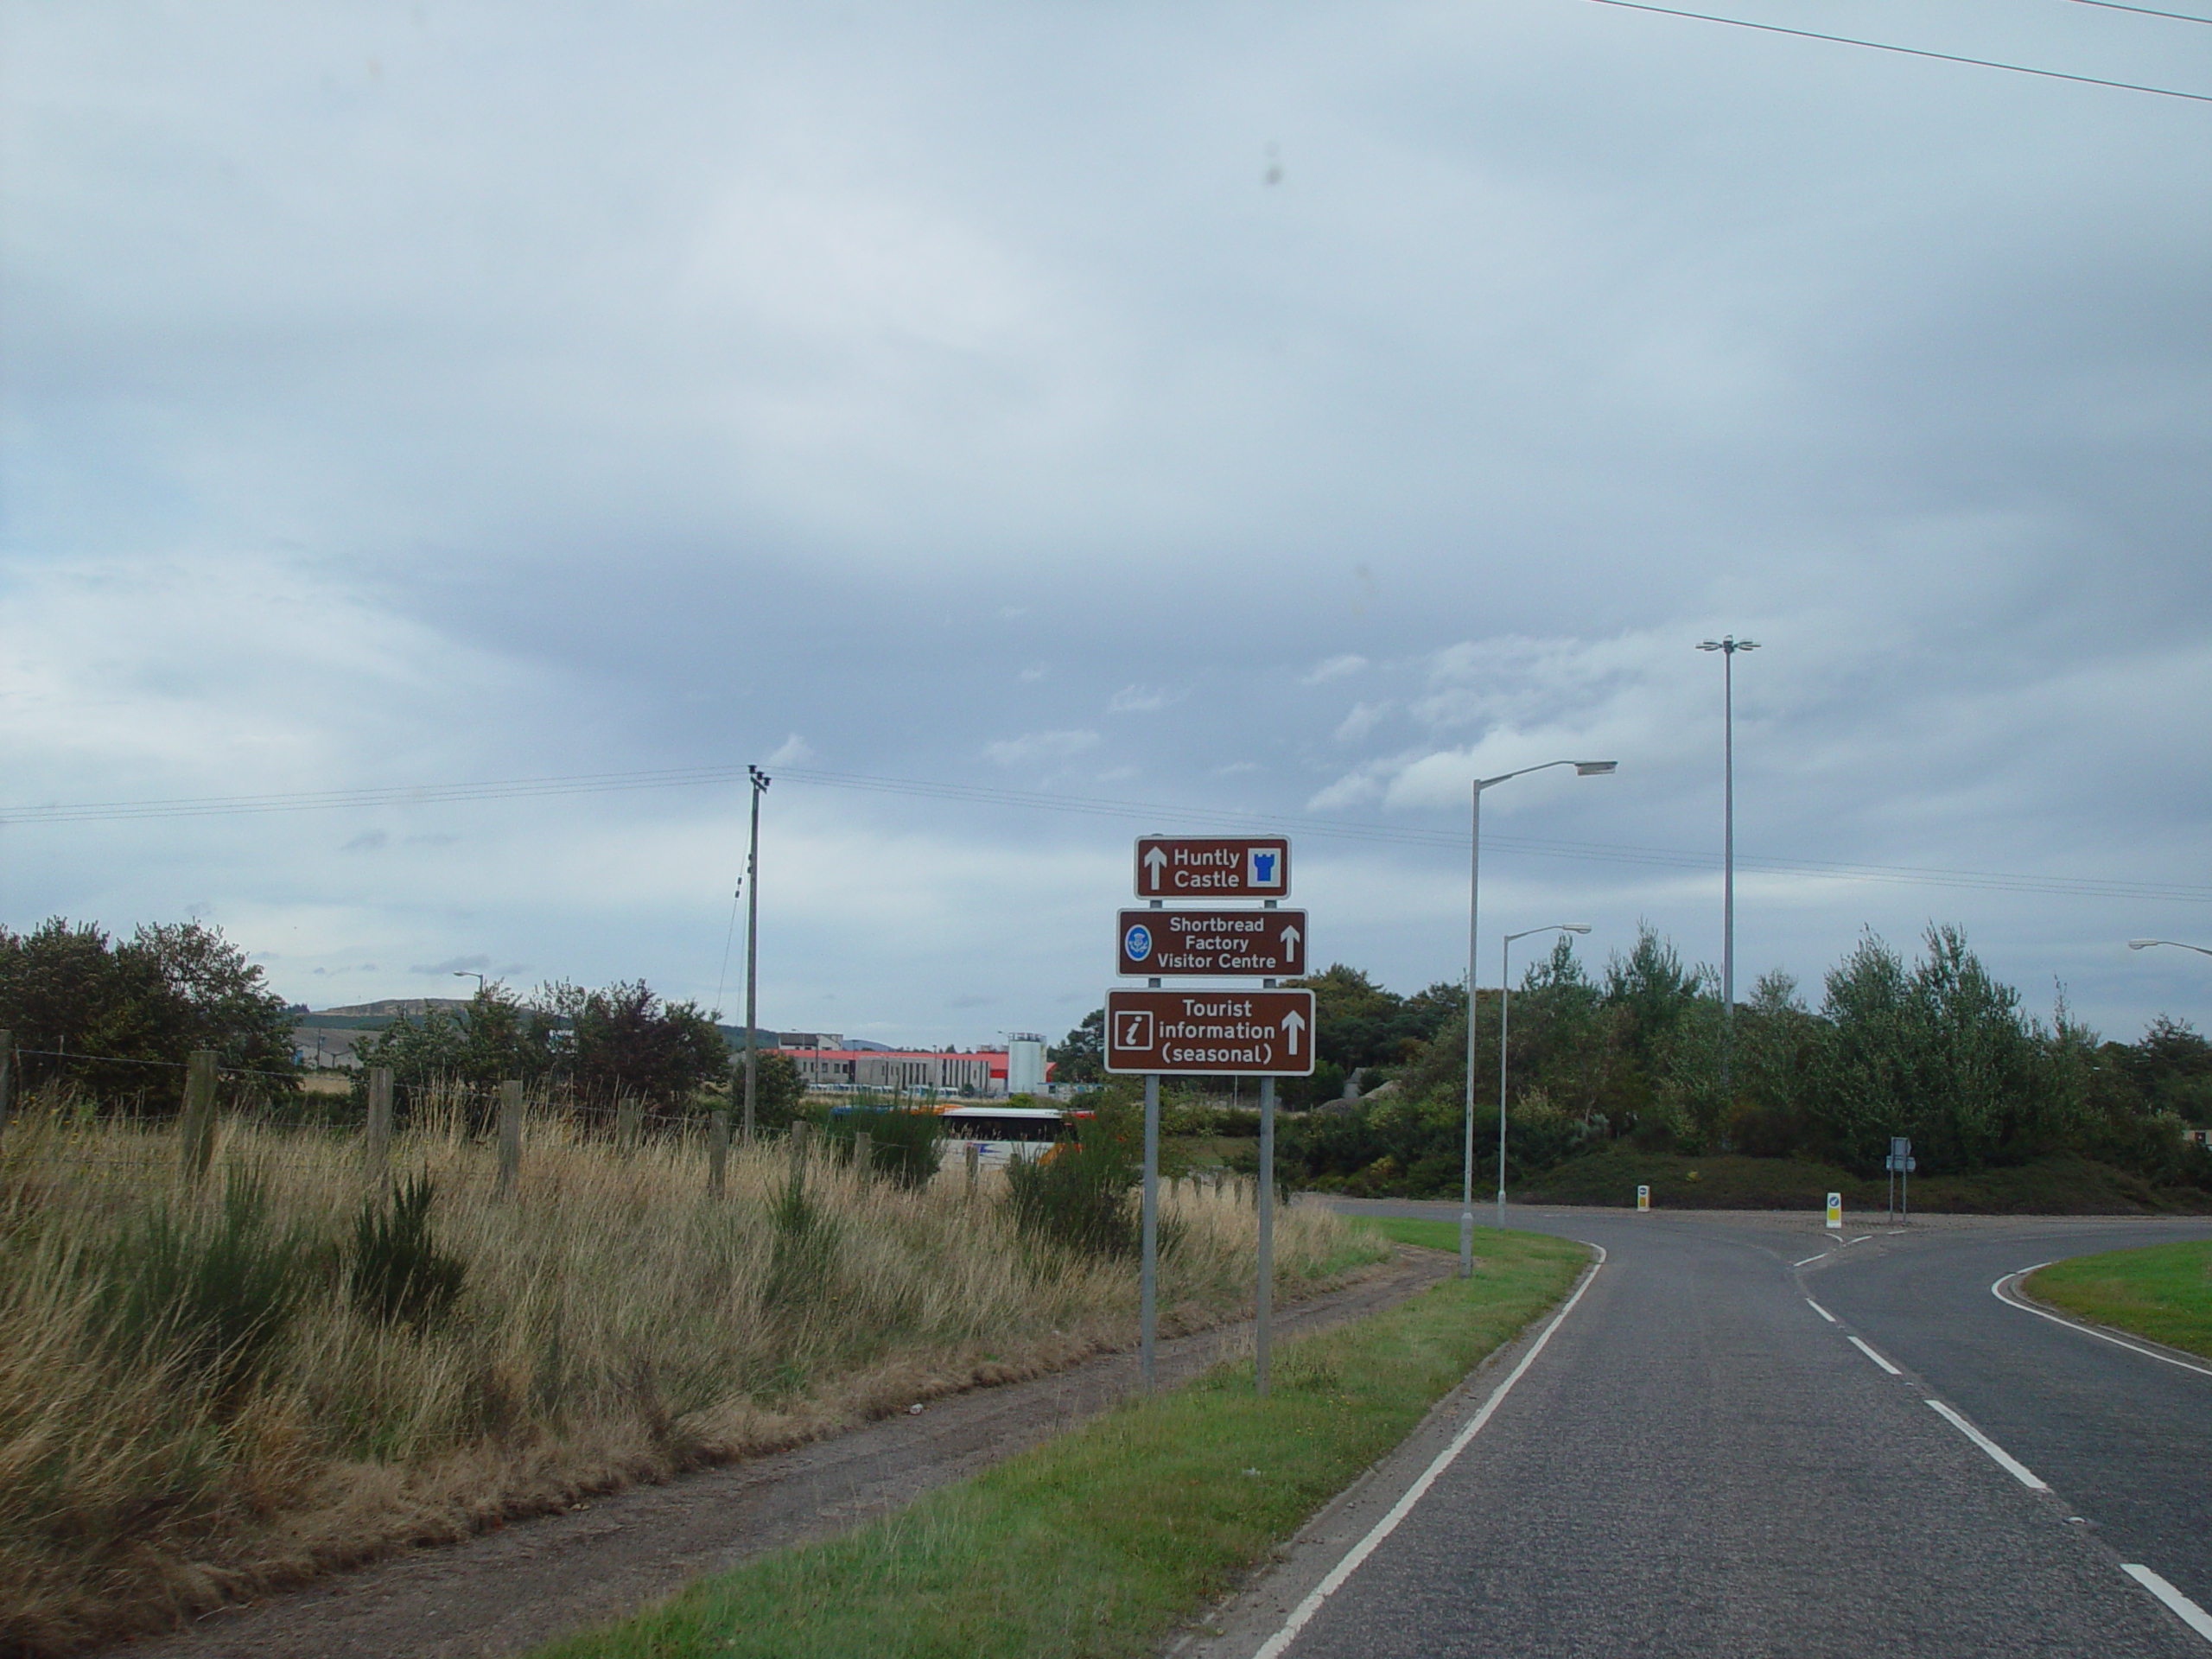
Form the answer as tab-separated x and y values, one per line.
1102	1540
2163	1292
2062	1184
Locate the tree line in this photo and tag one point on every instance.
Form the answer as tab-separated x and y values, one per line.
114	1019
1641	1052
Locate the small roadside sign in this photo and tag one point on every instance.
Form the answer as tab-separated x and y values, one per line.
1213	867
1835	1211
1900	1146
1897	1165
1642	1198
1253	1034
1164	943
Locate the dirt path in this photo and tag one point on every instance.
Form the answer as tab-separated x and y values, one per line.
507	1591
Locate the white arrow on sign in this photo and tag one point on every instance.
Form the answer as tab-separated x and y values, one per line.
1154	863
1293	1022
1289	941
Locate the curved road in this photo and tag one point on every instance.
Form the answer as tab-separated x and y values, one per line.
1752	1436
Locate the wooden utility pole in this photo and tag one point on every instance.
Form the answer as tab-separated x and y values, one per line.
760	781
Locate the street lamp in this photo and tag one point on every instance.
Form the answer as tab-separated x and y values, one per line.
2144	945
1504	1018
463	973
1582	769
1728	645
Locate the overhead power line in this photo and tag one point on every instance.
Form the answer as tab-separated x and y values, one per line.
1153	813
2145	11
1915	51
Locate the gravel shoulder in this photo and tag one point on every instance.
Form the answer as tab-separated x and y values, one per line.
505	1591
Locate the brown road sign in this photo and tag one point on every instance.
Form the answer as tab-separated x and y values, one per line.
1166	943
1266	1033
1213	867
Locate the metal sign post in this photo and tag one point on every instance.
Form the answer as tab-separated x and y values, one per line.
1148	1274
1264	1302
1901	1163
1265	1034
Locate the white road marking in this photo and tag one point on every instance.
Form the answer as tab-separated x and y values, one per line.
1997	1291
2004	1459
1818	1309
1300	1615
1809	1258
1861	1239
2180	1605
1872	1355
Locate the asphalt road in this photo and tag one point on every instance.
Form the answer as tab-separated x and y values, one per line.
1698	1462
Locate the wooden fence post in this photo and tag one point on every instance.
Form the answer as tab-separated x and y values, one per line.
196	1145
510	1134
7	1074
802	1142
972	1155
629	1121
377	1147
864	1155
717	1152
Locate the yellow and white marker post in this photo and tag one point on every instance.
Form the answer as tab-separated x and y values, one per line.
1835	1211
1643	1198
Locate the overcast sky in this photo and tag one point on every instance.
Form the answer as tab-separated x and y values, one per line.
1287	410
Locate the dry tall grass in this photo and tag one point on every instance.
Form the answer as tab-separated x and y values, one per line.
616	1323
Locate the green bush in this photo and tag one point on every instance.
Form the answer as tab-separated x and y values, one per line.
903	1145
1080	1194
398	1274
218	1294
805	1252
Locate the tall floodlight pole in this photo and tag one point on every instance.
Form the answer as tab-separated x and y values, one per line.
760	781
1504	1030
1728	645
2144	945
1582	769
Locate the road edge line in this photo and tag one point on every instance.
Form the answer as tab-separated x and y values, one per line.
2177	1603
1338	1575
2019	1300
1872	1355
1998	1455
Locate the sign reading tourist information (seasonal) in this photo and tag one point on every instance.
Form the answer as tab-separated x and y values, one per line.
1213	867
1263	1033
1165	943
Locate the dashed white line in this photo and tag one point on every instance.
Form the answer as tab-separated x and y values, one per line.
1275	1644
1861	1239
1818	1309
2180	1605
2004	1459
1809	1259
1872	1355
1997	1291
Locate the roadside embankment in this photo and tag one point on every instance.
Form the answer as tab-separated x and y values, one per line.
1101	1541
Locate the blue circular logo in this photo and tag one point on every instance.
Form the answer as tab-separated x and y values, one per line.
1136	943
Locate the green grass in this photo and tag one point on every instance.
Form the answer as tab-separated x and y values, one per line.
1426	1233
1100	1542
2163	1292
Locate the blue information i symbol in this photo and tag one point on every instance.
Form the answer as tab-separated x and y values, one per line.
1136	943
